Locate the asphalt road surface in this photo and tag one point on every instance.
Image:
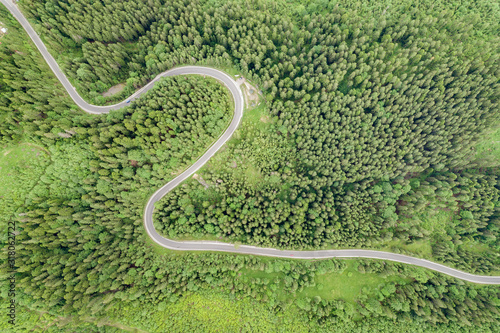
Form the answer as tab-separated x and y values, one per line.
238	112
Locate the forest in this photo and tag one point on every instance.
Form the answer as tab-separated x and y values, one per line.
369	134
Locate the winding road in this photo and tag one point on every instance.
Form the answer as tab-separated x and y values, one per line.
238	112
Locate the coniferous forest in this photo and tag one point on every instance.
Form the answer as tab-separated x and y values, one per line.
375	125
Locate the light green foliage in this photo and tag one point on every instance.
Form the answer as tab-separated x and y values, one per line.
20	168
29	320
217	312
370	116
62	178
350	284
488	151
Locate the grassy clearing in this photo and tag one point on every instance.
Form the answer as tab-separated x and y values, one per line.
489	149
252	175
227	66
20	168
348	285
421	248
435	220
195	237
253	120
475	247
257	117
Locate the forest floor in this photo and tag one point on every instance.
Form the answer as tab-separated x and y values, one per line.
250	92
114	90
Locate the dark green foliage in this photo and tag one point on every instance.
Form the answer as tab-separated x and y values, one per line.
360	101
32	104
363	107
102	65
273	213
106	21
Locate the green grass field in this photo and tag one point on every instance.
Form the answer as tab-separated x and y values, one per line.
489	149
348	285
20	168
